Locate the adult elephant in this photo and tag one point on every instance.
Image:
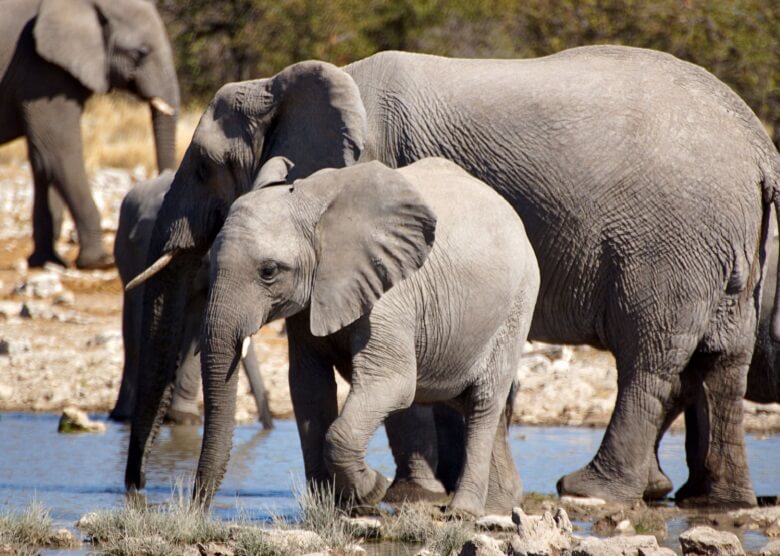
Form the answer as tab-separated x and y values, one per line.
644	184
54	55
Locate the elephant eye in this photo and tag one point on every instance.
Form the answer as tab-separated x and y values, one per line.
268	271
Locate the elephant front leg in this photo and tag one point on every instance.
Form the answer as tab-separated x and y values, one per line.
313	392
44	223
412	435
383	382
714	441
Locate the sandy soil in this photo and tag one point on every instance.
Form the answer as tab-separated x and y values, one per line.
60	334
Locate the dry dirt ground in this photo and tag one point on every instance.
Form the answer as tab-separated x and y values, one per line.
60	333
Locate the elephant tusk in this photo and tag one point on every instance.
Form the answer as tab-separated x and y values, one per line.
161	106
245	347
156	267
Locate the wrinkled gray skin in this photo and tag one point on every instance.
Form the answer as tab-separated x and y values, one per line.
336	254
54	55
136	220
644	185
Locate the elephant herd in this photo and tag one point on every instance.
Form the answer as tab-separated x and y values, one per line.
415	218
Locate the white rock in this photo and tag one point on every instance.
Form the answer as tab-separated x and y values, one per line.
6	391
75	420
87	520
625	528
616	546
706	541
580	501
496	523
364	527
66	298
546	530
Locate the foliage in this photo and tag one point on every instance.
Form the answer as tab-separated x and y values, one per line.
218	42
29	529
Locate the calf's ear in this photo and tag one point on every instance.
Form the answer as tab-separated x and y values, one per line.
376	231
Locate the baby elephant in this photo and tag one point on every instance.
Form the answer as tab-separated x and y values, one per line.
348	257
137	217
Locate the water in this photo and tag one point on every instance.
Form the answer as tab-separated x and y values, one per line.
75	474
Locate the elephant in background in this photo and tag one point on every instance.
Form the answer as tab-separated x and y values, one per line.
644	184
136	220
348	258
54	55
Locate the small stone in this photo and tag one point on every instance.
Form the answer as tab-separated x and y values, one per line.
658	551
772	530
75	420
10	309
771	549
580	501
87	520
13	347
545	532
31	310
706	541
364	527
66	298
625	528
482	545
496	523
355	549
62	538
110	339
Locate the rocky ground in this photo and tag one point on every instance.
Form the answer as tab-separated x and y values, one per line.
60	334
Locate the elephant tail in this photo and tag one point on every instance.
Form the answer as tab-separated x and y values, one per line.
772	193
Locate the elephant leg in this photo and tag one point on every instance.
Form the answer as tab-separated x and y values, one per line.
714	443
43	223
505	488
131	326
56	155
646	384
314	398
415	455
184	405
383	382
451	443
252	370
483	416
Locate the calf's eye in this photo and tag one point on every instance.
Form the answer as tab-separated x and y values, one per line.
268	271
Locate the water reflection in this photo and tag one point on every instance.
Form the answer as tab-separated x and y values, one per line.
75	474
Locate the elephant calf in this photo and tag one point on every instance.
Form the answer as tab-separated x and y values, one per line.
336	254
136	221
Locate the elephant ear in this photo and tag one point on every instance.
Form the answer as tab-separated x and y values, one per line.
69	33
314	117
273	172
375	232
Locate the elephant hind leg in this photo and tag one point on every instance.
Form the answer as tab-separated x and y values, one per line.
648	384
413	435
714	443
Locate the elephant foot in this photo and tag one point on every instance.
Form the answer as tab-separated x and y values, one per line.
40	258
588	482
120	415
374	496
730	497
408	490
465	506
658	486
97	261
177	417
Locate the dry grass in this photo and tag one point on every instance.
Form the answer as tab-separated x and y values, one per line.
117	132
27	531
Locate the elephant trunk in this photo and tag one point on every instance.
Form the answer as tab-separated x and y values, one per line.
223	334
165	300
164	125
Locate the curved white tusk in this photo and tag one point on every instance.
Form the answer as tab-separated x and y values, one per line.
156	267
161	106
245	347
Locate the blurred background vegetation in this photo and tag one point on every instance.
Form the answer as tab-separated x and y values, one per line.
229	40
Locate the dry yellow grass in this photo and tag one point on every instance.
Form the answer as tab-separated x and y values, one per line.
117	132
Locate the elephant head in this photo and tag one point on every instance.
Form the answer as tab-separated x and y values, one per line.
106	44
332	243
311	114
